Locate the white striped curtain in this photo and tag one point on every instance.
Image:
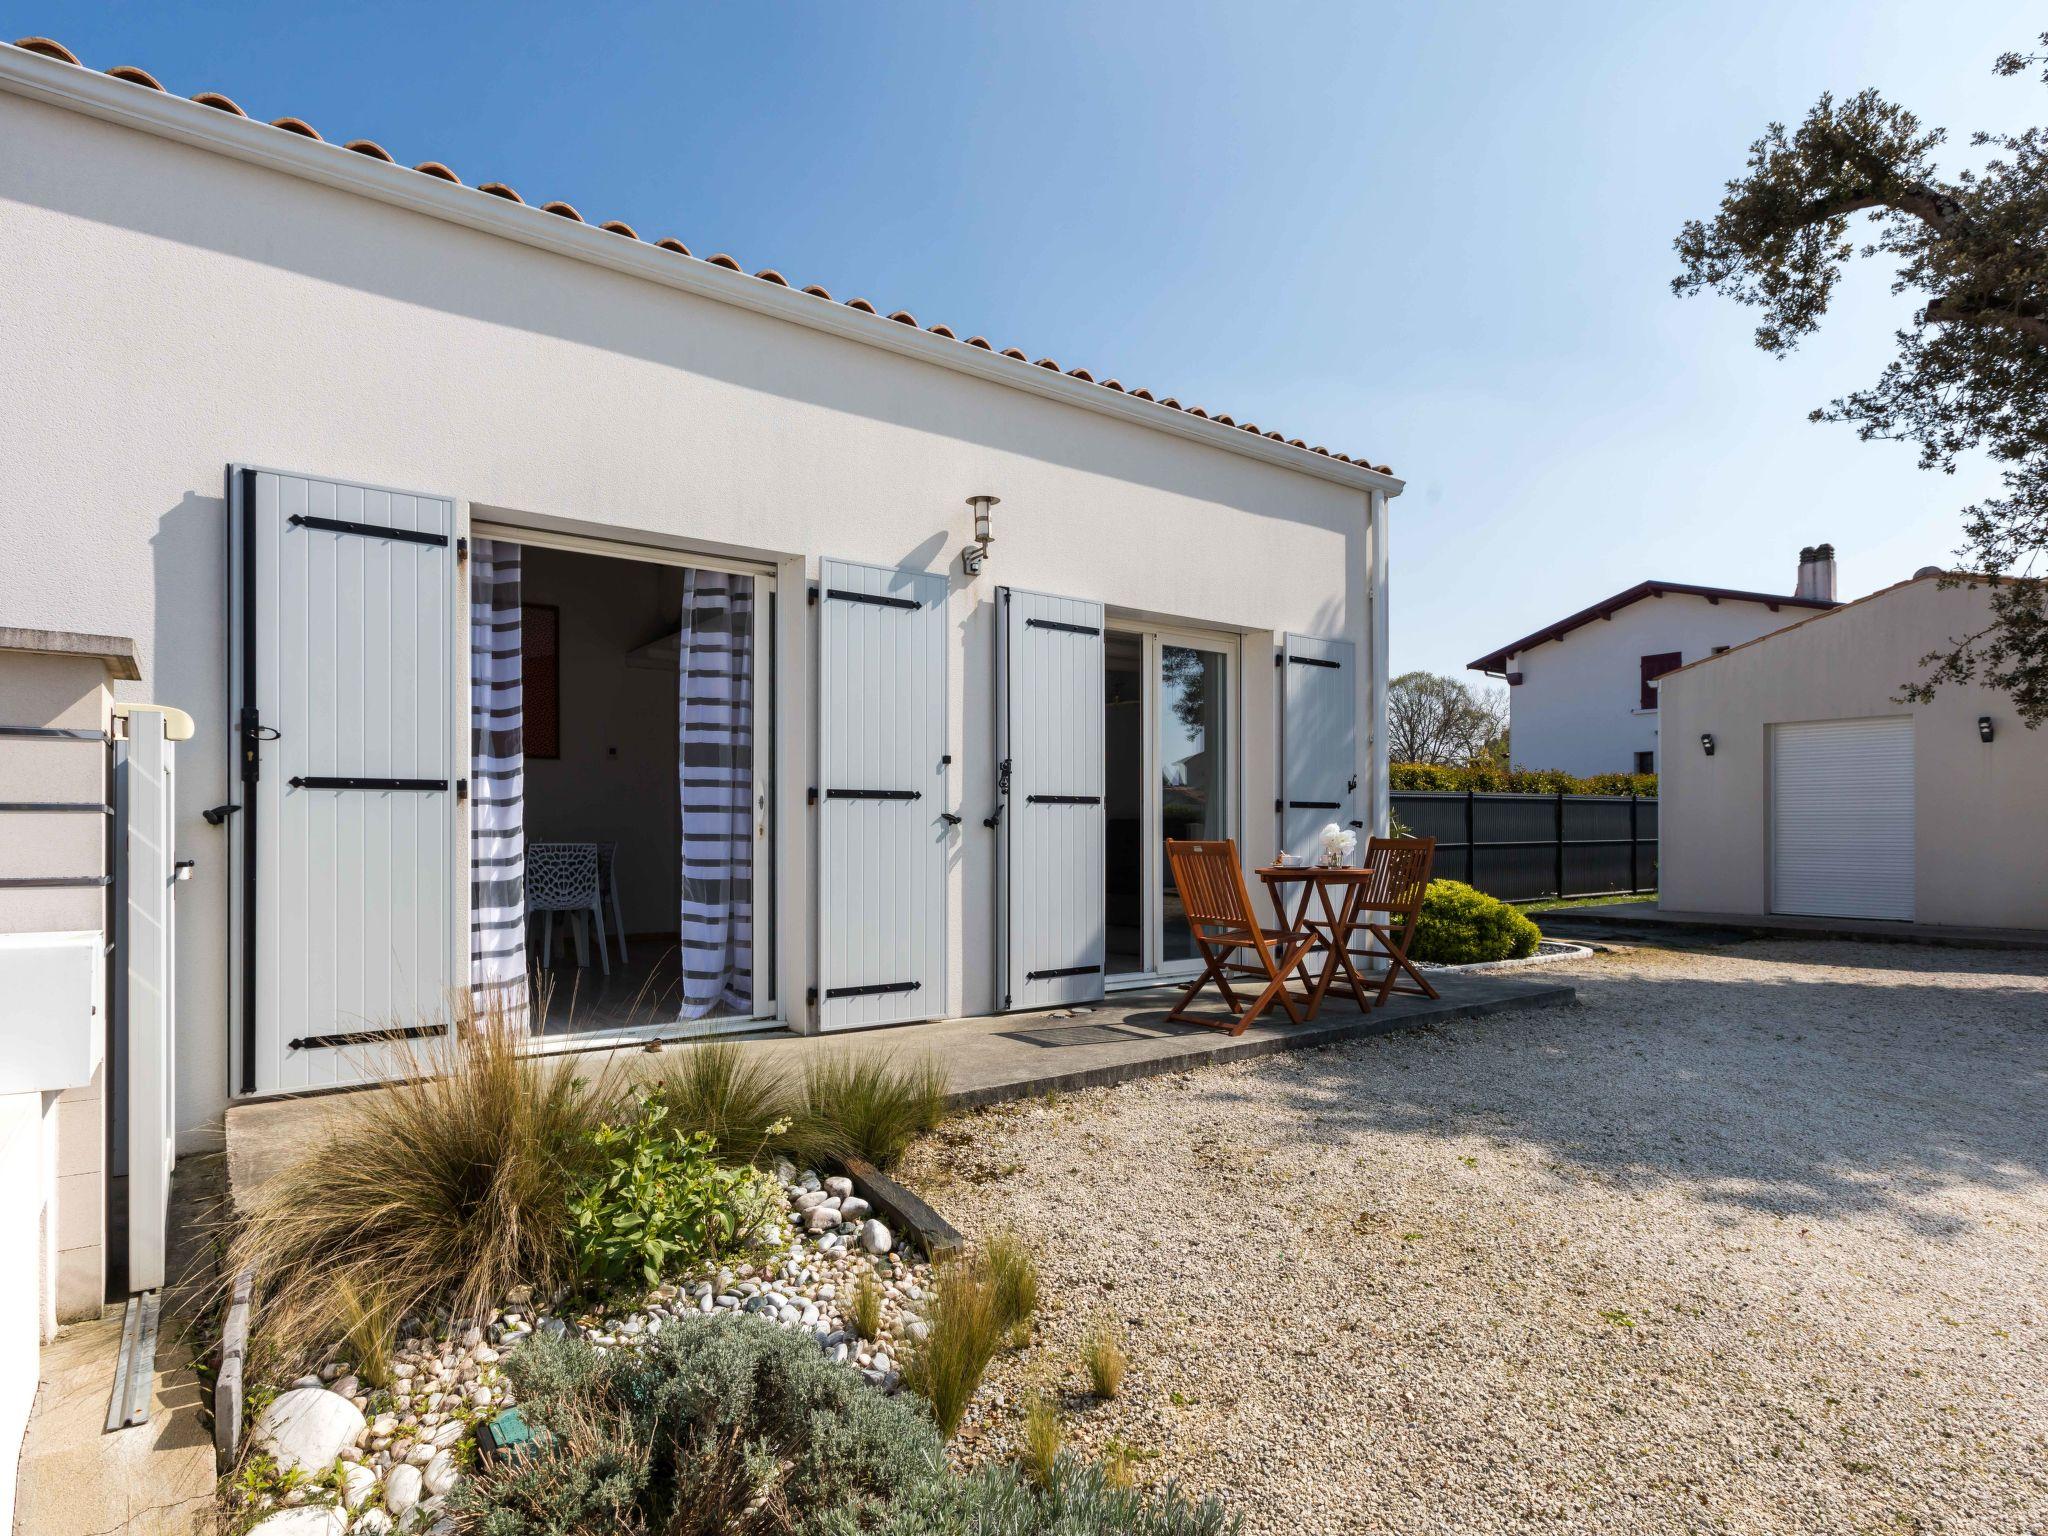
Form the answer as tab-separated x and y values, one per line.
497	782
715	719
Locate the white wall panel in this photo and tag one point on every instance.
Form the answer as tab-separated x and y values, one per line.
882	834
1321	691
355	889
1050	734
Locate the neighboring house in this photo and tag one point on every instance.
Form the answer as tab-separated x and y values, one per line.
1794	781
1579	691
678	619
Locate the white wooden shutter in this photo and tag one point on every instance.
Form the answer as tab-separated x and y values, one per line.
1050	777
1842	818
881	786
147	810
1320	690
344	682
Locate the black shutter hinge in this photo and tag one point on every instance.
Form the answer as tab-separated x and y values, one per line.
811	596
461	551
462	789
811	996
814	794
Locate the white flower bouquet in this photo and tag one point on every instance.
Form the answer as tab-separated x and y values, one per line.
1339	843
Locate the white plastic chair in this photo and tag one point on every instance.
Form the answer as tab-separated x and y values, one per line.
562	877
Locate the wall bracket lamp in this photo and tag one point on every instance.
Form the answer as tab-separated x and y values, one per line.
975	555
1707	742
1984	732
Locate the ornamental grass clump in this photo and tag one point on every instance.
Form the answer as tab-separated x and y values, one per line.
866	1309
1014	1274
1106	1362
966	1325
1461	926
749	1107
443	1190
873	1107
1044	1438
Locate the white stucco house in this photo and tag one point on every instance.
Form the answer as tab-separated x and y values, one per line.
871	662
1580	691
1796	781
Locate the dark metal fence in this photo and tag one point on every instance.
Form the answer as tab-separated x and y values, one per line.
1523	847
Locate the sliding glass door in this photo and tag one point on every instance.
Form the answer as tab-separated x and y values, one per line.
1170	747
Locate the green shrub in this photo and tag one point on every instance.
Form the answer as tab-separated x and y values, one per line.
1486	778
871	1107
446	1189
1076	1499
655	1198
720	1426
1461	926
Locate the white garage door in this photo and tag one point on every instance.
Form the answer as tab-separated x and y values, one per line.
1842	818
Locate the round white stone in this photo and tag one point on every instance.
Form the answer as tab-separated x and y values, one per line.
306	1520
306	1428
876	1238
402	1489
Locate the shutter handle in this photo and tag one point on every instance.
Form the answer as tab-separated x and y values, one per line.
949	818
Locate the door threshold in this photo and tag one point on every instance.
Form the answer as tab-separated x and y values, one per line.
673	1032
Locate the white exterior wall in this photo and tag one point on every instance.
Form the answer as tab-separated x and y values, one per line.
28	1151
1578	705
174	309
1979	832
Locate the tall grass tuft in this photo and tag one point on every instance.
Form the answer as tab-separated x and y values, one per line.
967	1325
749	1107
1106	1362
445	1189
874	1107
1044	1438
866	1308
369	1326
1014	1274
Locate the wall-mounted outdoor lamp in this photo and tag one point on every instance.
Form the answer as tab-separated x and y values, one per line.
976	554
1707	742
1983	727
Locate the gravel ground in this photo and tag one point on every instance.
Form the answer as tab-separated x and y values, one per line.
1751	1239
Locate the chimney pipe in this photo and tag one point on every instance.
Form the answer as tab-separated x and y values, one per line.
1816	573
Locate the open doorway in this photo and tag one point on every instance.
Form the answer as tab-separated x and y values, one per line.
1168	746
618	820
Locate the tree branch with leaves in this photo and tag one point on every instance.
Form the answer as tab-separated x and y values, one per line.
1971	371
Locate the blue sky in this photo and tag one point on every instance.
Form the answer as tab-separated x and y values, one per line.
1436	235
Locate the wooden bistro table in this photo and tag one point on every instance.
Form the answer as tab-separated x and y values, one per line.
1326	906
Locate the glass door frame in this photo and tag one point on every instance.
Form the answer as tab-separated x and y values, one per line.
766	1012
1153	969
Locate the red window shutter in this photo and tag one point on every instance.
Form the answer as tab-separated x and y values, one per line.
1656	666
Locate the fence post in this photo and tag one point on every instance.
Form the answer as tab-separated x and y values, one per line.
1634	876
1471	868
1560	842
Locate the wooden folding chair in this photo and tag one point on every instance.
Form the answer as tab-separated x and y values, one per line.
1220	917
1397	875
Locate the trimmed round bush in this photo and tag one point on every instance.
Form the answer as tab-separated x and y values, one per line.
1461	926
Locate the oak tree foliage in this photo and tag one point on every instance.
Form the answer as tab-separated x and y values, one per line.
1858	179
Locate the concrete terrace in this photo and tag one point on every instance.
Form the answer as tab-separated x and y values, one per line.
1000	1057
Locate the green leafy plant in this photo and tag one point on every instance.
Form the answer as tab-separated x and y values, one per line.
447	1188
1490	778
1044	1437
873	1107
1461	926
656	1198
1106	1362
866	1306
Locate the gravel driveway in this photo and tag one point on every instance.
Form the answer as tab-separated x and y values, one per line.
1752	1239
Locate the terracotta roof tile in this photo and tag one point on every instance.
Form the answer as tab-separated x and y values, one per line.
817	292
132	75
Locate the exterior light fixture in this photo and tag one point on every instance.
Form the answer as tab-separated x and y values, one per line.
1707	742
976	554
1983	727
